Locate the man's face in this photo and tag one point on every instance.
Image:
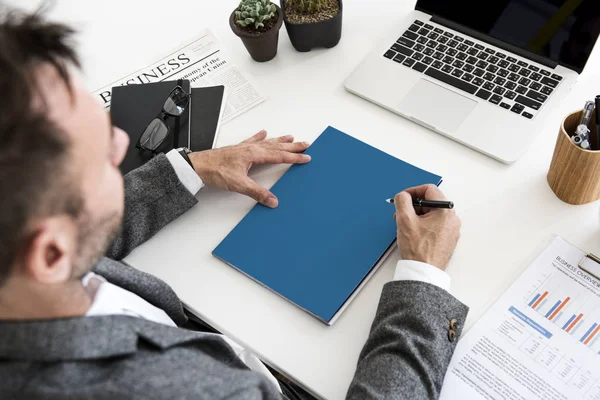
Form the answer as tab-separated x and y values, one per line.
97	149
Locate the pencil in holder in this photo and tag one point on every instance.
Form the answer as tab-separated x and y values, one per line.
574	173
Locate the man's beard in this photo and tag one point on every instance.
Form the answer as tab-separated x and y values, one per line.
94	238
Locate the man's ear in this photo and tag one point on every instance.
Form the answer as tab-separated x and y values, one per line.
51	252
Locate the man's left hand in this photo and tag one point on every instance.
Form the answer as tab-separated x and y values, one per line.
227	168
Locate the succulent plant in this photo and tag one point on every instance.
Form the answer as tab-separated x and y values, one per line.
254	13
307	6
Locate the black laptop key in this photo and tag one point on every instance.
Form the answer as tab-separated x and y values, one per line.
419	67
405	42
419	47
495	99
493	60
503	73
448	34
544	72
413	28
442	48
535	77
499	80
461	56
527	115
483	94
483	56
510	95
428	26
410	35
452	43
533	68
501	55
524	72
517	108
472	51
499	90
468	68
459	39
437	64
433	35
492	68
458	64
467	77
422	40
447	68
408	62
478	72
432	44
481	64
399	58
452	52
524	81
402	50
510	85
535	86
450	80
462	47
505	106
488	86
443	39
423	32
438	30
457	73
511	59
428	51
513	77
532	94
489	76
523	64
427	60
478	81
546	90
528	102
417	56
389	54
469	43
472	60
479	47
503	64
557	77
521	89
549	82
417	22
438	56
513	67
448	60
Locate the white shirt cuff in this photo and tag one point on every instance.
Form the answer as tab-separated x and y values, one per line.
186	174
409	270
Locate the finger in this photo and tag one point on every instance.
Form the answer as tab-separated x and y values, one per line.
258	193
281	157
426	192
405	210
297	147
284	139
260	136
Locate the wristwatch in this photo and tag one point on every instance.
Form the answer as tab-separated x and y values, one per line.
184	151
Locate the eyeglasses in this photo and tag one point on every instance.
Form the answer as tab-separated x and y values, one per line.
157	130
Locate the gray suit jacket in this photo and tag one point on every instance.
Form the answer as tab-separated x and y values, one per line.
121	357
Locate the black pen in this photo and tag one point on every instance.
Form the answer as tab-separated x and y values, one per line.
429	203
596	144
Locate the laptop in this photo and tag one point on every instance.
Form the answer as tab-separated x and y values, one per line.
485	74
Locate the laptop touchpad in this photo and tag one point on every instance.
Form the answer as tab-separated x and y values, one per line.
437	106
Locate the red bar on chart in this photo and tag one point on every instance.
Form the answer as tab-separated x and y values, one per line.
591	337
574	322
537	303
559	308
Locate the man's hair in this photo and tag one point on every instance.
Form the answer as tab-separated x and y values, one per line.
35	179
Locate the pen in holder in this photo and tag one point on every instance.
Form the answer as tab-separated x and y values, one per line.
574	173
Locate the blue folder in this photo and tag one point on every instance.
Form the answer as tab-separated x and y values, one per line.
331	228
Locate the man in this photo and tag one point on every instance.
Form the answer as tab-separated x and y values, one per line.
76	325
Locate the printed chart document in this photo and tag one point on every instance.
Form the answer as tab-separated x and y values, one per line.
540	340
204	63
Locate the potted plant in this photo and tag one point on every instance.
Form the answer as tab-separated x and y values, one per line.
313	23
257	23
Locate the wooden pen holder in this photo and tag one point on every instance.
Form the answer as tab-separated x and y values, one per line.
574	174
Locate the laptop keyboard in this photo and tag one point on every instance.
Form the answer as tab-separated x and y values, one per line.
491	75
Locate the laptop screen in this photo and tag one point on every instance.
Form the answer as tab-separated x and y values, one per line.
563	31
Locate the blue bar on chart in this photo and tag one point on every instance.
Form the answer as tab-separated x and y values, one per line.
532	302
554	307
569	322
588	333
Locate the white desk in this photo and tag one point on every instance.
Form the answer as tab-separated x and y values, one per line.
506	210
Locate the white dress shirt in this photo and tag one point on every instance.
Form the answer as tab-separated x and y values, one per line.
109	299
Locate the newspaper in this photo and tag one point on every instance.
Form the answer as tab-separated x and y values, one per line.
204	63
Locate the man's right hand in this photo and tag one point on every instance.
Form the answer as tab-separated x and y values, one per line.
426	235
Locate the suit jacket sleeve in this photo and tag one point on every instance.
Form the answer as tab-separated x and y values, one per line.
154	196
408	350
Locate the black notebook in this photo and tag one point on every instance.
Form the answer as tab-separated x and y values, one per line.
134	106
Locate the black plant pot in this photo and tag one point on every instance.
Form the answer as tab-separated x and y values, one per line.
305	37
261	46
